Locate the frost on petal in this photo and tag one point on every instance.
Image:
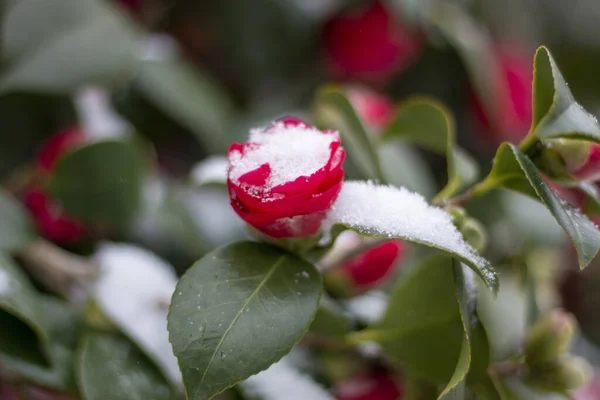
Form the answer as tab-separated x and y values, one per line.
284	381
134	290
385	211
211	170
290	151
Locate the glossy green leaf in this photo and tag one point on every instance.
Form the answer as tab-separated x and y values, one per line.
514	171
556	114
63	323
191	97
23	336
429	124
333	110
237	311
72	42
423	309
16	229
111	367
100	182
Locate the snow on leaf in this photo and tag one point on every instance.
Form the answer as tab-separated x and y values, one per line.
134	290
385	211
283	380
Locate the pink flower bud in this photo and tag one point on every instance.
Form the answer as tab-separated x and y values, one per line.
590	391
369	44
285	178
375	109
378	385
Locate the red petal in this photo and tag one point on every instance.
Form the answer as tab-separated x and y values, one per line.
56	146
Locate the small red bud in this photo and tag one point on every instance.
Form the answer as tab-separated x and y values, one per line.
376	109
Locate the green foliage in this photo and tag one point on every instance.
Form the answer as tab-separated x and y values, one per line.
429	124
556	114
111	367
23	333
72	43
16	229
424	304
271	297
100	182
513	170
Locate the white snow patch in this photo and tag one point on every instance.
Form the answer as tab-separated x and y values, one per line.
158	47
5	282
290	151
134	290
397	213
369	307
97	115
282	381
213	169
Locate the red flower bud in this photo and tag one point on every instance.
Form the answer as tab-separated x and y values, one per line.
373	386
56	146
51	220
514	112
374	108
368	44
375	264
285	178
590	170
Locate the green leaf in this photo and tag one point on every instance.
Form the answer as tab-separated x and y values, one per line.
16	229
237	311
333	110
23	336
423	309
429	124
465	289
111	367
63	324
514	171
556	114
328	320
191	97
100	182
72	42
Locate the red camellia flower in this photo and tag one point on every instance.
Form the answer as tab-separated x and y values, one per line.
56	146
374	108
285	178
51	220
373	265
514	112
373	386
368	44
